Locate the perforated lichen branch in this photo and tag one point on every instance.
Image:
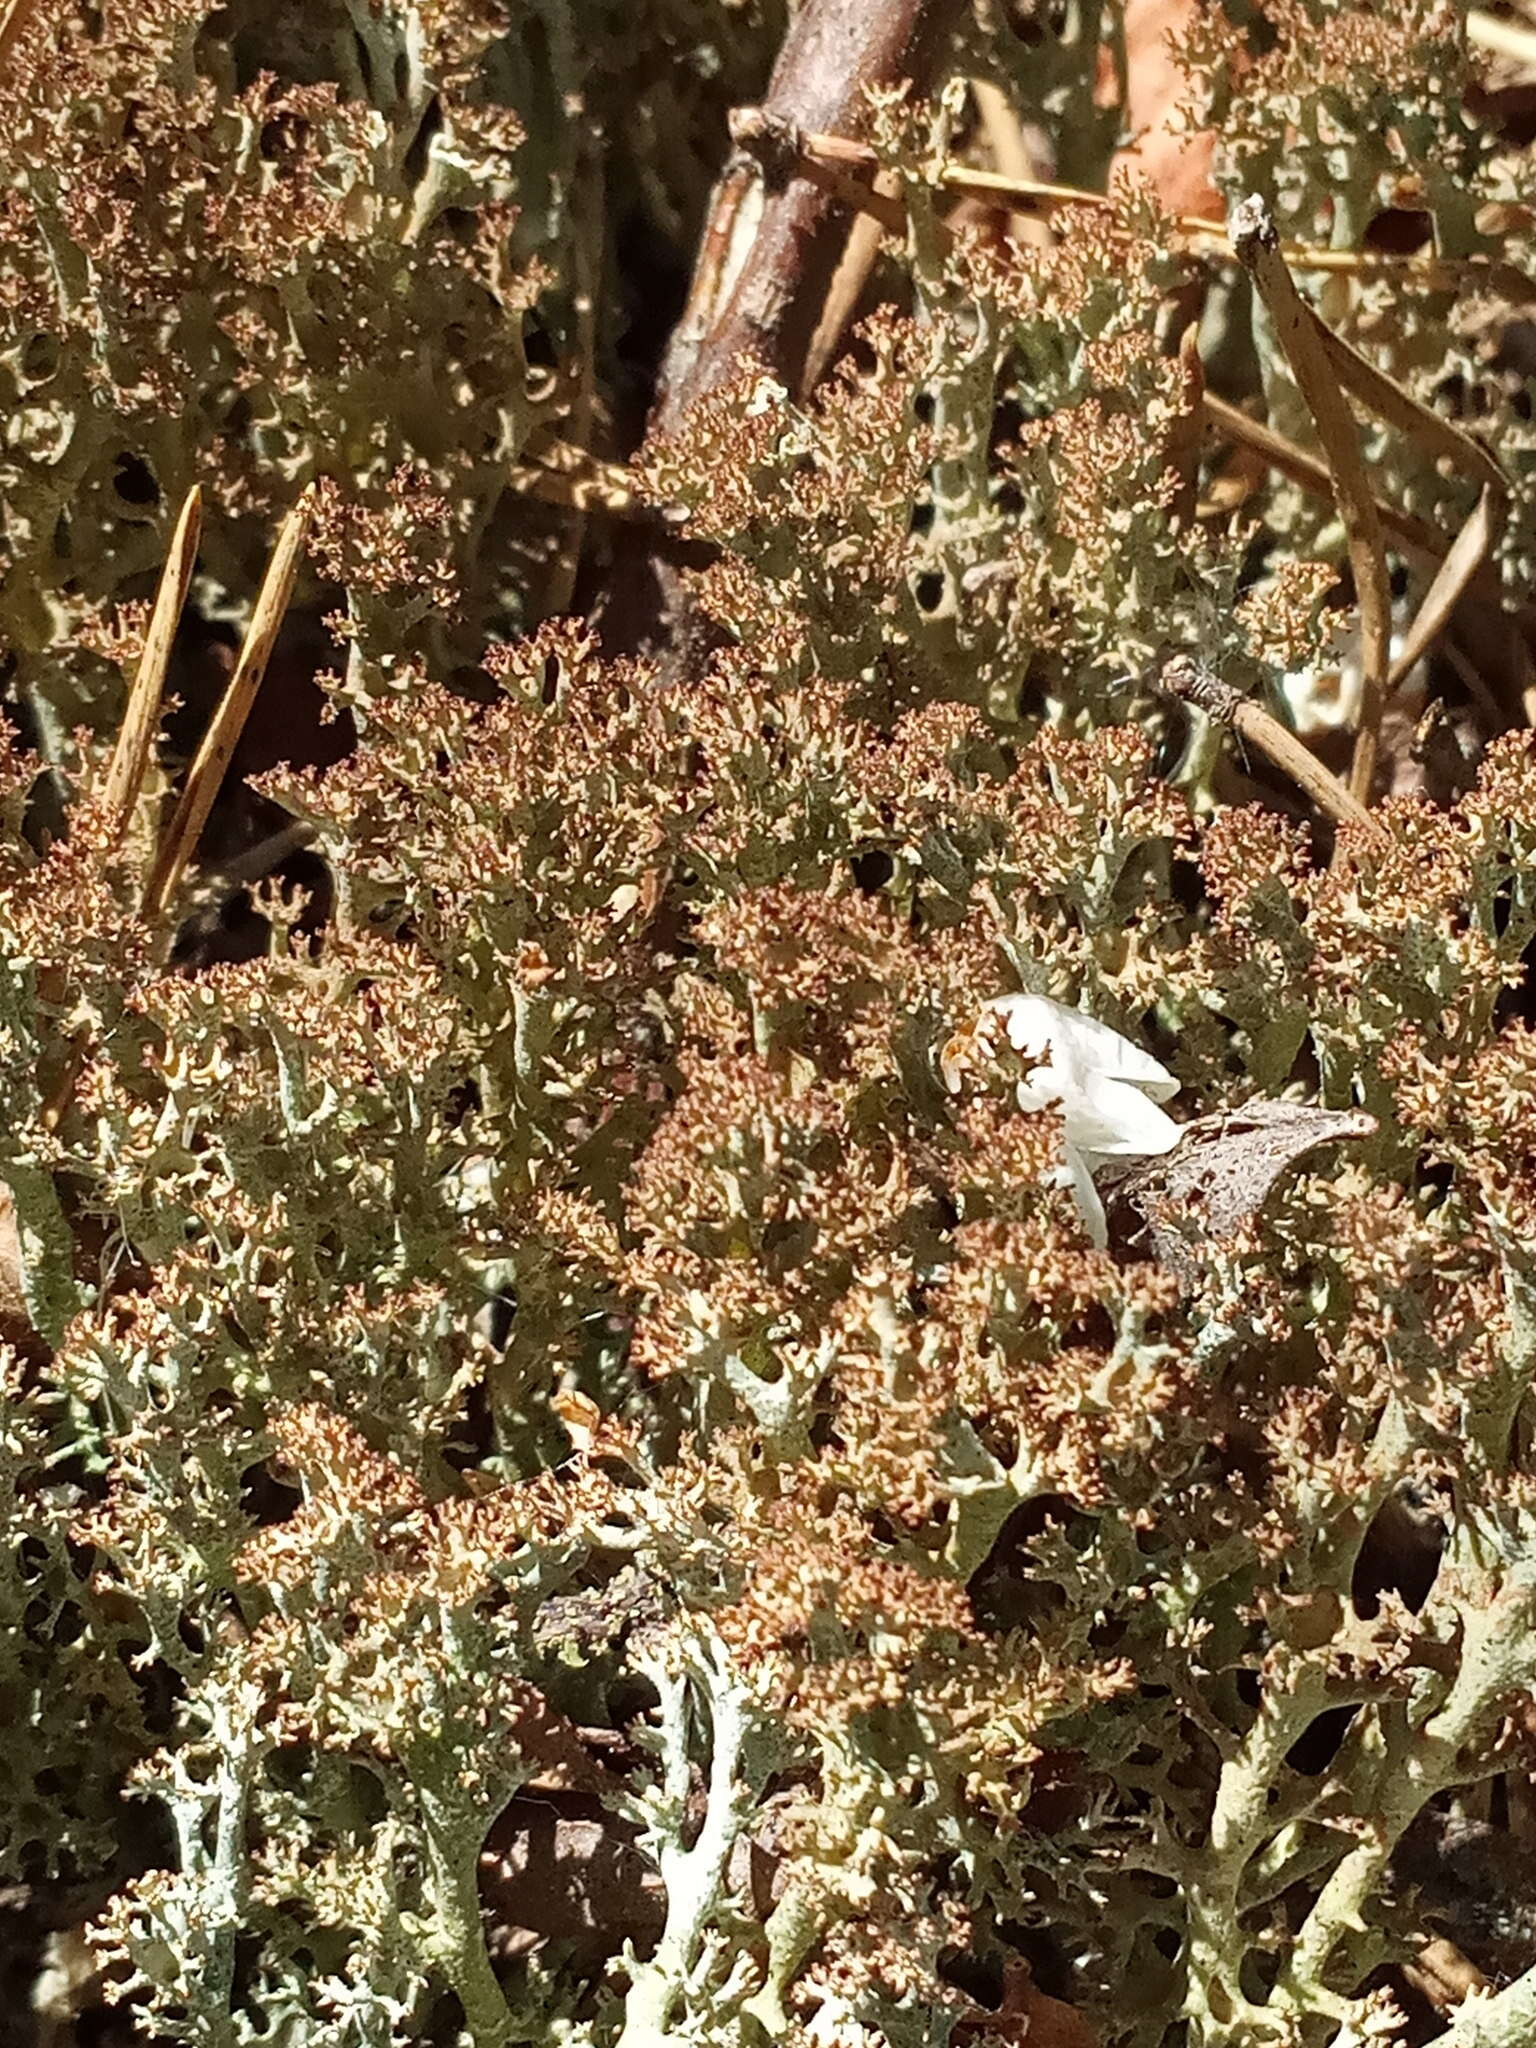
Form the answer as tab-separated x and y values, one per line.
1412	1765
700	1693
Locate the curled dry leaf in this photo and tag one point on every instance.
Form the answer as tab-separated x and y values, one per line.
1216	1181
1175	161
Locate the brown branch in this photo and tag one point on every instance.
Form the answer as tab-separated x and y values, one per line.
775	237
1193	683
1302	337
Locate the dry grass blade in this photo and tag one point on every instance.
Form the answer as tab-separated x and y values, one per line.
1301	335
1188	429
1012	154
1189	680
14	17
1392	404
1465	560
1415	537
843	294
141	718
1502	38
214	755
1468	552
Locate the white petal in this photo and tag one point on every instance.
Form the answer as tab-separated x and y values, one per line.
1090	1208
1080	1044
1114	1118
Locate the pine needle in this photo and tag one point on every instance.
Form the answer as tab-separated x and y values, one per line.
141	718
1303	338
219	742
14	17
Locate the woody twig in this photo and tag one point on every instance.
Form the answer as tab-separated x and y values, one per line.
1193	683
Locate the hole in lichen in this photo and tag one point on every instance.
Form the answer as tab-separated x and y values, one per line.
1318	1743
429	126
1398	232
40	358
1008	1589
1402	1550
134	481
872	870
979	1977
928	590
265	1498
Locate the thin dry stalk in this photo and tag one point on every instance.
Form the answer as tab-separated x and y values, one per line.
1188	429
1416	537
1469	551
213	756
1301	336
1011	152
1465	561
843	294
857	164
141	717
14	17
1185	678
1438	437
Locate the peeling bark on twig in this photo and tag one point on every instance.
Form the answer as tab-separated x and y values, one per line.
773	245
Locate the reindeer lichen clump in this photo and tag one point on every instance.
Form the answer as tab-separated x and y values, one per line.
825	1334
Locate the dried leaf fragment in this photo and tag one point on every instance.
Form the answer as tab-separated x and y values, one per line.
1216	1181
